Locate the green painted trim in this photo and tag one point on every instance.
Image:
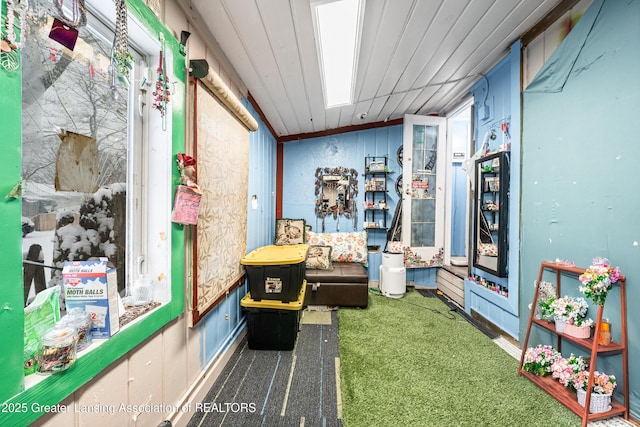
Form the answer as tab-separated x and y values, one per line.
11	294
56	388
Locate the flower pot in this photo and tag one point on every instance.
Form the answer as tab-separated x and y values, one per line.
599	402
577	331
560	324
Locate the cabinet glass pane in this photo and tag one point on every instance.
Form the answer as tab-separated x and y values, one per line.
423	185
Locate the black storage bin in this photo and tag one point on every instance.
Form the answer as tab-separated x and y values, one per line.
273	325
276	272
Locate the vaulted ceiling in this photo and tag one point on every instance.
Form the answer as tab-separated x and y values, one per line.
416	56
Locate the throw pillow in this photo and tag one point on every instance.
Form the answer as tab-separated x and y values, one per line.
319	258
345	247
289	231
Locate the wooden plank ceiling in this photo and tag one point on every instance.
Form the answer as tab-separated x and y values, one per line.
416	56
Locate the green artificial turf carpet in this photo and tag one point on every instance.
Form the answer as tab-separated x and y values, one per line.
413	362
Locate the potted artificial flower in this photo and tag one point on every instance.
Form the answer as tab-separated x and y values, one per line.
597	280
539	360
601	391
577	324
567	309
564	369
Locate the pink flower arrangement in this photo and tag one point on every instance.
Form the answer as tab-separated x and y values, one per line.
539	360
602	383
568	309
597	280
564	369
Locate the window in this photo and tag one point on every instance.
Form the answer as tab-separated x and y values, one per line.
86	152
98	160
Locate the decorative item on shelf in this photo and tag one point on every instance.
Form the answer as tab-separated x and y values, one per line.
376	167
564	369
598	279
539	360
565	310
560	323
414	260
601	390
546	291
564	262
58	350
579	331
604	337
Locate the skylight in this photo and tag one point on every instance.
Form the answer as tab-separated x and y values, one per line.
337	25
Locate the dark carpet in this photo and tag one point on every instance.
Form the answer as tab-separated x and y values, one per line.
278	388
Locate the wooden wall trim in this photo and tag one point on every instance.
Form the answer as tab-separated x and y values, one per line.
344	129
552	17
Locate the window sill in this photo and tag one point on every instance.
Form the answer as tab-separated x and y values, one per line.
125	323
42	390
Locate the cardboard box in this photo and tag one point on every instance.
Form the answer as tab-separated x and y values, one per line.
93	286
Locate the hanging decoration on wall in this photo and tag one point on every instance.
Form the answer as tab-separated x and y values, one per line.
9	41
10	61
78	13
162	94
336	190
121	57
188	193
63	34
64	29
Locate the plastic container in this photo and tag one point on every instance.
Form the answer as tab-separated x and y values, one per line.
276	272
58	349
141	291
80	320
273	325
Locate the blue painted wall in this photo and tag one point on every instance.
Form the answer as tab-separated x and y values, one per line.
218	333
460	144
301	158
497	101
579	162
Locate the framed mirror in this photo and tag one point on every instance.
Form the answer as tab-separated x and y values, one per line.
336	191
491	214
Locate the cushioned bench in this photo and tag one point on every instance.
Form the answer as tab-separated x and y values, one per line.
346	285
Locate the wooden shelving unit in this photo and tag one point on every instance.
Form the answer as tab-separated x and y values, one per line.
376	169
553	387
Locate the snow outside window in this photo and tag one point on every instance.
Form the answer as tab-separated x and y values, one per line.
96	158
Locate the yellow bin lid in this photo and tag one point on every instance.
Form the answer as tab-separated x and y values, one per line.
248	302
275	255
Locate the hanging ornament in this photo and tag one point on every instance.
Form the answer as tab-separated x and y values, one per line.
162	93
10	61
9	39
123	60
78	13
